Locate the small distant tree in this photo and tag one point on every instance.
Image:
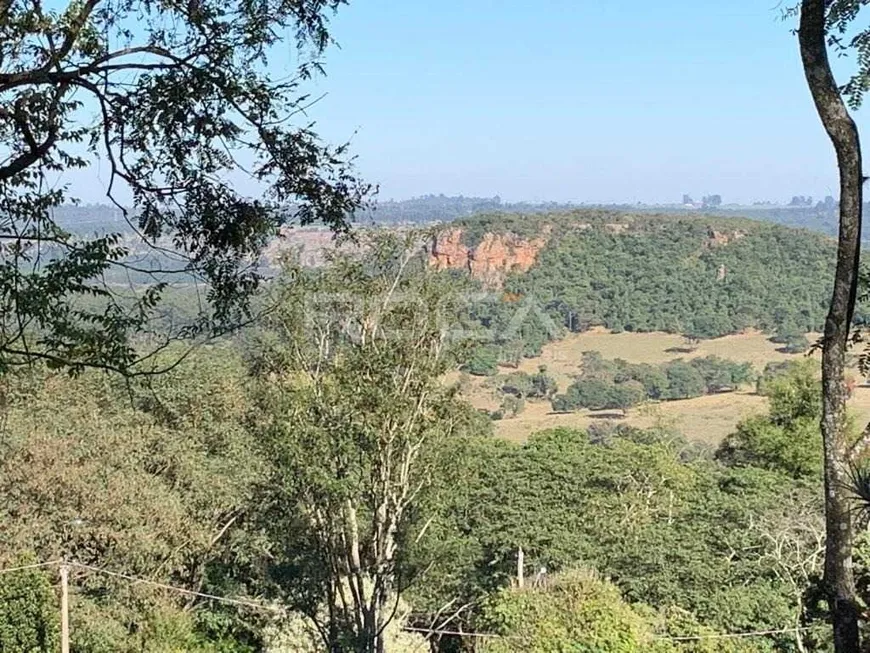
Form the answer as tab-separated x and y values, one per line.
787	438
544	386
795	344
684	380
482	361
593	393
691	341
518	384
792	338
511	405
625	395
563	403
594	365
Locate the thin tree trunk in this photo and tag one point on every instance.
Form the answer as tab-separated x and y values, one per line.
521	567
839	581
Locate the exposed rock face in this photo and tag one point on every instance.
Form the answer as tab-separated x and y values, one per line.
447	252
490	260
720	238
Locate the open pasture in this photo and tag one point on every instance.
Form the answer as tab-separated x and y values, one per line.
706	419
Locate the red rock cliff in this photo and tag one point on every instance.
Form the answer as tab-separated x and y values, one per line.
490	260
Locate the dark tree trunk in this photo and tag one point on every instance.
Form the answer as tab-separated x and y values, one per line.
839	582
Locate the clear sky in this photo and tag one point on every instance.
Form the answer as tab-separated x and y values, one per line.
575	100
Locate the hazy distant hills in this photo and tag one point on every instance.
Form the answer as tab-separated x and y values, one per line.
441	208
90	219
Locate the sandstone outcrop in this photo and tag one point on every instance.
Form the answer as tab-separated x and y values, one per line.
720	238
490	260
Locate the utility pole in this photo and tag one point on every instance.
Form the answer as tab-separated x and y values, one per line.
521	567
64	609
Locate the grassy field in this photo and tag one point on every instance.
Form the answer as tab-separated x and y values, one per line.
705	419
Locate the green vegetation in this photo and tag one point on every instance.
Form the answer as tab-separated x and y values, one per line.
319	467
165	126
151	484
672	529
571	611
529	386
787	439
700	276
619	384
27	613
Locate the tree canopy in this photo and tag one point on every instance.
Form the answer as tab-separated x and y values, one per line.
178	101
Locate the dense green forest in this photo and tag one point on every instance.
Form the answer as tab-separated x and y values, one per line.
820	216
698	276
316	471
187	482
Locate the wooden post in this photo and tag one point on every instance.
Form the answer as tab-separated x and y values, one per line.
64	609
521	567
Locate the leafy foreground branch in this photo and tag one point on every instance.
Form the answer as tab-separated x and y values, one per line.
174	99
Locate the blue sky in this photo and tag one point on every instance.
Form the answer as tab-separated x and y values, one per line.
575	100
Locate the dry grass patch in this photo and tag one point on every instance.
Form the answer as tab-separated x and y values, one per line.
705	419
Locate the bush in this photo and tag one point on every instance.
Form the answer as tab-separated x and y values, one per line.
483	361
719	373
511	406
797	344
787	439
518	384
563	403
572	611
543	385
592	393
684	380
28	611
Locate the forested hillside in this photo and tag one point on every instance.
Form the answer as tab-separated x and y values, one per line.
209	479
698	276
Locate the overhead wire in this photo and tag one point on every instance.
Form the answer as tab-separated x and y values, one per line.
429	631
36	565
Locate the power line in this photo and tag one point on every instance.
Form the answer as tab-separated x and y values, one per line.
460	633
751	633
36	565
180	590
678	638
429	631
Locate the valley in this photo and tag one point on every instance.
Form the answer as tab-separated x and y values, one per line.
706	419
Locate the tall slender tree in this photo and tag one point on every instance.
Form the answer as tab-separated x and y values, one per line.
823	24
357	422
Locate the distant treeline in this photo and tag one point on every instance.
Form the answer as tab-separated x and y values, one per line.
443	208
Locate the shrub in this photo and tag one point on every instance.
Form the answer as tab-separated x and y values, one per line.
28	614
512	406
483	361
572	611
